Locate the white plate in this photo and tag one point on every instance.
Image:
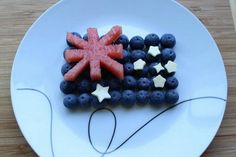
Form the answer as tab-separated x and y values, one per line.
53	131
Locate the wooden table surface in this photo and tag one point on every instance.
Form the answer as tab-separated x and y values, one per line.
16	16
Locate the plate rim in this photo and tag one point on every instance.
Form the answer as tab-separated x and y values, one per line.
60	2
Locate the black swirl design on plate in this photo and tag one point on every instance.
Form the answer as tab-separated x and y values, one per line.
51	114
140	128
106	151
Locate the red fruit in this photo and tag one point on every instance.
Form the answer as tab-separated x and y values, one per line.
96	54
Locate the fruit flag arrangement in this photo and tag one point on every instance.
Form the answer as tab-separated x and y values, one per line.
112	70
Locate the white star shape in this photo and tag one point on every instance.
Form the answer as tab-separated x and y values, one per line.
101	93
159	67
154	51
171	67
159	81
139	64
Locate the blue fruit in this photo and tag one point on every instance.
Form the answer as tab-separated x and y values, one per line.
94	100
151	40
123	39
168	41
142	97
115	98
84	86
165	73
106	75
114	84
84	100
157	97
137	42
172	96
152	84
103	83
142	73
151	59
126	56
138	54
171	82
85	37
65	68
129	82
70	101
75	34
128	98
67	87
128	68
143	83
168	54
95	103
152	70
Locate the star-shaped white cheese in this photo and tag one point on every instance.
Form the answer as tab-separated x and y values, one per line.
101	93
159	81
171	67
159	67
154	51
139	64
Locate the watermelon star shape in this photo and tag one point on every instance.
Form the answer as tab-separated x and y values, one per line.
95	53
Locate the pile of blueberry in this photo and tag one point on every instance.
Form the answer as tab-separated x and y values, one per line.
137	87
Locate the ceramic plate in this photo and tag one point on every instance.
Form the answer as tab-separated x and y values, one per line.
53	131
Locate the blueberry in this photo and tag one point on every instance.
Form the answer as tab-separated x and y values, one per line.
85	37
168	41
84	86
168	54
128	68
137	54
129	82
123	39
114	84
66	67
151	40
126	56
115	98
103	83
142	97
152	70
70	101
151	59
142	73
95	103
171	82
157	97
152	86
166	74
85	75
172	96
75	34
145	71
128	98
84	100
143	83
67	87
106	75
137	42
